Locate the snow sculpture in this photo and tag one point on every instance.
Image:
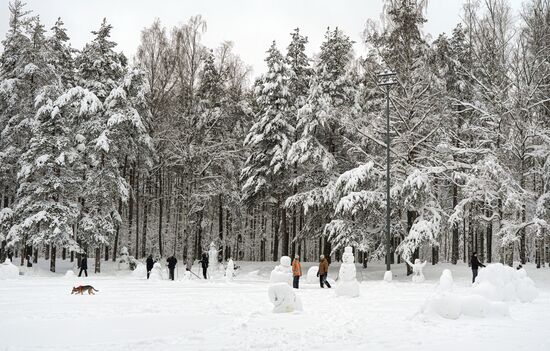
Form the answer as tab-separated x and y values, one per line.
8	270
284	298
446	281
282	273
418	276
388	276
156	272
125	261
213	257
502	283
69	274
230	270
347	284
449	305
140	272
312	275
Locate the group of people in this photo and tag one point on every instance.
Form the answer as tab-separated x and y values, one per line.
172	261
322	273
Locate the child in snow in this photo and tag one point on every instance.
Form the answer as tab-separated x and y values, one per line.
83	265
323	272
296	272
475	265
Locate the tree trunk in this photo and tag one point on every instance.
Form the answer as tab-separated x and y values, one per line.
52	260
97	260
137	213
489	237
275	217
411	217
161	209
454	242
131	206
145	213
115	244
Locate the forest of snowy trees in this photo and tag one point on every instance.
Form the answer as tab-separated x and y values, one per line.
180	146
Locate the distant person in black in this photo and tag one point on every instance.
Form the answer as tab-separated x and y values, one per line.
172	261
83	265
204	263
149	262
475	265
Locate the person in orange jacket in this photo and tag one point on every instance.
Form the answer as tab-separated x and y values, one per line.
296	272
323	272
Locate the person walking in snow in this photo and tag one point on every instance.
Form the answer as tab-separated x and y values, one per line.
475	266
149	263
83	265
323	272
204	264
172	262
296	272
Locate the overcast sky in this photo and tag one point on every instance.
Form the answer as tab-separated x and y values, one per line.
250	24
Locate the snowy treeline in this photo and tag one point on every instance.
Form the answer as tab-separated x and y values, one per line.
178	147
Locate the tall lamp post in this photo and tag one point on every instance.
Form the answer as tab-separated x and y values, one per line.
386	79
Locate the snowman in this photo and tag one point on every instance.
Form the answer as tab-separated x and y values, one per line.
418	276
282	273
347	282
229	271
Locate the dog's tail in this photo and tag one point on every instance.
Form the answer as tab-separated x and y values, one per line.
94	289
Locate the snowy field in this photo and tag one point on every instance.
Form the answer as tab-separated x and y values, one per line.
39	313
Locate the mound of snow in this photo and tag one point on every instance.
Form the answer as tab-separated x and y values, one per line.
312	275
502	283
8	270
447	304
140	272
283	298
388	276
69	274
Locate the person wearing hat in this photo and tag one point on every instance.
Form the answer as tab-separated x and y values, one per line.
296	272
323	272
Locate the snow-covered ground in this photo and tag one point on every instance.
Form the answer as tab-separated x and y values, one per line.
37	312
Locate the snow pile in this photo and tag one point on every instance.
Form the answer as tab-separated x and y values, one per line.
282	273
8	270
69	274
347	284
125	261
312	275
447	304
388	276
283	298
502	283
230	270
140	272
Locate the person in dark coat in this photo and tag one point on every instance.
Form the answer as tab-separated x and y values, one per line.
172	262
149	262
83	265
204	264
475	266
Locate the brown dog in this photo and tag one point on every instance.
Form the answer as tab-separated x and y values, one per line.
80	290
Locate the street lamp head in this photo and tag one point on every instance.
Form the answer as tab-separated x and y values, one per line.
386	77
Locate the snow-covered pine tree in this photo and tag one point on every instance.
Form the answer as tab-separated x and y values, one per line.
265	173
415	116
100	72
319	152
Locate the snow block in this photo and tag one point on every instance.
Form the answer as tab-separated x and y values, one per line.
388	276
497	282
